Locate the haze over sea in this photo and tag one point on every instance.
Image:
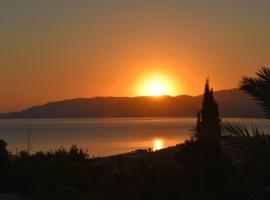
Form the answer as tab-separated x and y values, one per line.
101	136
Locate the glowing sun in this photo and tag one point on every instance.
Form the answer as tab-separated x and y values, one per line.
158	144
157	86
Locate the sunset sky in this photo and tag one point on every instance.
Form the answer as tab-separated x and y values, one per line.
52	50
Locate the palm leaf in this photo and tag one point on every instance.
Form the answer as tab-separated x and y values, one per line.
259	88
251	134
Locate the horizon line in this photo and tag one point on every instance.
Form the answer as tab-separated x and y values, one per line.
93	97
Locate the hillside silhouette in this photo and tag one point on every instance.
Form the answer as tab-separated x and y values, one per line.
232	103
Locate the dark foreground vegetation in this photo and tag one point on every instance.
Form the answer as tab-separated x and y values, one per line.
220	161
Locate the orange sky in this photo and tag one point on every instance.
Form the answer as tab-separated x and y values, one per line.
57	50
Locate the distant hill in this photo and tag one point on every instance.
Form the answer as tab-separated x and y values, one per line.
233	103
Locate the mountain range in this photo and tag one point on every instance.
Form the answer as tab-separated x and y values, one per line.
232	103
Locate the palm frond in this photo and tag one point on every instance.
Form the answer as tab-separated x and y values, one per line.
247	134
259	88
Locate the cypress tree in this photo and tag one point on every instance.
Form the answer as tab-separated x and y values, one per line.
208	135
208	129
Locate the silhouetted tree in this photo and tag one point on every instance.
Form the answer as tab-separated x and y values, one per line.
76	153
208	129
4	154
4	165
208	134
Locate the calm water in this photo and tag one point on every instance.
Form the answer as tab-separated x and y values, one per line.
100	136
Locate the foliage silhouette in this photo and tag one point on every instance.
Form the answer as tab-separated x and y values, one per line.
258	87
207	128
208	135
4	165
254	142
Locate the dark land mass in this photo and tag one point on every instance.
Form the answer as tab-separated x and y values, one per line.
169	173
232	103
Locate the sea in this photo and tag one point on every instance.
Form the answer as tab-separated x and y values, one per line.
102	136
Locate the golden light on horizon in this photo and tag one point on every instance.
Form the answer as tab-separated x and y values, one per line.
156	88
158	144
157	85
